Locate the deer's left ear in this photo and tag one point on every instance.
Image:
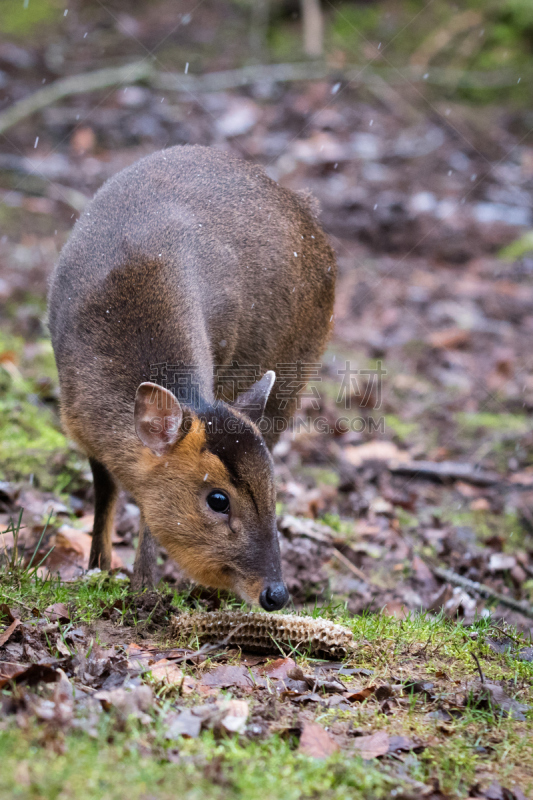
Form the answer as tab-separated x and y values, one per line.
158	418
252	402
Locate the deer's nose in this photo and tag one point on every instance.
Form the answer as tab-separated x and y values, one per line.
274	596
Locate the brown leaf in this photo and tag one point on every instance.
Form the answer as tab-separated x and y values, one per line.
225	716
10	670
60	707
138	657
374	451
316	742
251	660
185	723
498	699
166	672
8	631
62	647
361	695
422	573
128	702
225	676
83	140
449	338
57	612
278	668
6	611
26	673
170	674
397	743
522	478
373	746
70	555
315	682
235	716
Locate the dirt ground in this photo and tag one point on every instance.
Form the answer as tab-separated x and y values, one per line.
408	480
418	212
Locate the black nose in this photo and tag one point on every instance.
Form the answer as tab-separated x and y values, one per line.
274	597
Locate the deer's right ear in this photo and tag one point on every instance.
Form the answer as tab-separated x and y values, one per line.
158	418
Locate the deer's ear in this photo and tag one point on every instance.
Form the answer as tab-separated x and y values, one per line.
158	418
252	402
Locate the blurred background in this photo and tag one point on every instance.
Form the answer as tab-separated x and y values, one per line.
411	122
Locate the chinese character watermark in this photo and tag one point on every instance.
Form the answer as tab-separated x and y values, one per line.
361	392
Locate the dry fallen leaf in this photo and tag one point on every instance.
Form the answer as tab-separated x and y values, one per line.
500	701
70	555
133	701
315	682
186	723
170	674
374	451
27	673
360	695
10	670
138	657
57	612
235	716
278	668
524	478
449	338
377	744
225	716
8	631
59	708
399	743
224	677
316	742
500	562
83	140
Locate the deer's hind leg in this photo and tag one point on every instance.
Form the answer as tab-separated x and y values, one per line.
105	501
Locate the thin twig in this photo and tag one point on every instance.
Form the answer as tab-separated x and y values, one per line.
348	564
446	471
478	665
482	589
506	634
14	600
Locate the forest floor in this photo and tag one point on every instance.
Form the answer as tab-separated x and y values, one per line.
407	483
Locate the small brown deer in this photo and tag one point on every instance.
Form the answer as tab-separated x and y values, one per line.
190	274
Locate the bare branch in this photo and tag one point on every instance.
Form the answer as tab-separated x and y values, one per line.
143	72
74	84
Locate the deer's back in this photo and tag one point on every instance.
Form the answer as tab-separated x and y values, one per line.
189	254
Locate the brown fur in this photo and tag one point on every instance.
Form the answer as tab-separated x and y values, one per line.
189	256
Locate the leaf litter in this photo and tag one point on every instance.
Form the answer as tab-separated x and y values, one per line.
368	518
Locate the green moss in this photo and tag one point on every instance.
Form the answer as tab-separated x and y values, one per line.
519	248
344	527
285	42
350	25
19	18
113	766
321	475
18	220
507	526
31	441
406	519
471	422
400	428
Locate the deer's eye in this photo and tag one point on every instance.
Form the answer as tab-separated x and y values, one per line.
218	501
